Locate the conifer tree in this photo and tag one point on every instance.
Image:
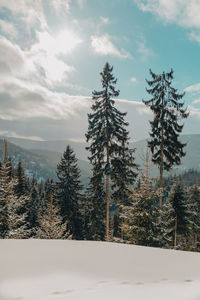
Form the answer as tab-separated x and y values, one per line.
140	217
51	224
17	217
95	210
33	205
167	224
20	187
167	108
69	194
5	193
107	134
180	213
194	207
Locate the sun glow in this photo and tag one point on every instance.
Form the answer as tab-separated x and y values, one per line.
47	52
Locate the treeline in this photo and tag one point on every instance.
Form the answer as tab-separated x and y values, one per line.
119	204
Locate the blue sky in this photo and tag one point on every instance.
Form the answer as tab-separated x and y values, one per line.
51	54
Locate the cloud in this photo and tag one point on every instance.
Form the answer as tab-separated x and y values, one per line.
105	20
196	101
194	111
21	101
183	12
28	11
102	45
42	62
12	60
133	79
193	88
81	3
60	5
8	28
8	133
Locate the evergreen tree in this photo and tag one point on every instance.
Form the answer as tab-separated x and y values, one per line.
107	135
33	206
181	215
140	217
69	187
194	207
167	225
20	187
5	194
17	218
168	110
51	224
95	212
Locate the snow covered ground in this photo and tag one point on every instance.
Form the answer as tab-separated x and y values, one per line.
71	270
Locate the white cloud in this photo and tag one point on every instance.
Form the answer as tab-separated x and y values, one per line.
13	60
30	12
194	111
183	12
60	5
196	101
8	133
20	100
193	88
81	3
8	28
133	79
102	45
45	55
105	20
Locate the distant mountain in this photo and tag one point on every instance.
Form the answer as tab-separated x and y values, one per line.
41	163
190	161
55	146
42	156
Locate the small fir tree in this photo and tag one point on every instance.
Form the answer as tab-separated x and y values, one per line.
68	193
140	217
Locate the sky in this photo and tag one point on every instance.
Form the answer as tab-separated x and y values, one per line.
52	53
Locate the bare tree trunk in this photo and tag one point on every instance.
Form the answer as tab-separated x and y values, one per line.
107	208
161	175
107	188
147	171
51	210
175	232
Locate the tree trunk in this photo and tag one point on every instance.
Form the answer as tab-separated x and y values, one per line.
107	208
51	209
175	232
161	169
107	187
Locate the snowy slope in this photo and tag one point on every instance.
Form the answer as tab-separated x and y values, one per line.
58	270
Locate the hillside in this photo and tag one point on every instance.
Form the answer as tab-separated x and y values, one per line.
50	150
41	163
78	270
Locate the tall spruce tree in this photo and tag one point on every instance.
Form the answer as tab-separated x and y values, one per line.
107	135
68	193
168	110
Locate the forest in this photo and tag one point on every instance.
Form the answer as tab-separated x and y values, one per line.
120	204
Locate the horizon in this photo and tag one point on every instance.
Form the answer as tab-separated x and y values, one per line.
52	54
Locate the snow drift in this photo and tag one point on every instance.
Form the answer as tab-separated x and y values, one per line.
44	270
